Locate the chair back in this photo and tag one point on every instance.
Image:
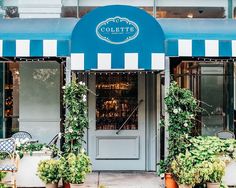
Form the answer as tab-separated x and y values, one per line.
22	135
7	145
225	134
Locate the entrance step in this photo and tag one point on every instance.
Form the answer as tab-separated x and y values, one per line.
123	180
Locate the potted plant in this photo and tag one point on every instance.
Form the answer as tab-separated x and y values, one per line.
212	171
184	171
48	172
76	123
74	168
182	108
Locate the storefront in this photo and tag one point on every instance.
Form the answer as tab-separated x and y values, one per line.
126	57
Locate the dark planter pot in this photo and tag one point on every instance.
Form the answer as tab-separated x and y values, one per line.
66	185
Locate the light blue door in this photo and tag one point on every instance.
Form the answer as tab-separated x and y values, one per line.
116	138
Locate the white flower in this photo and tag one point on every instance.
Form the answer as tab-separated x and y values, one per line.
70	130
175	111
179	109
82	83
18	143
191	116
186	136
162	175
24	140
230	148
84	98
75	118
59	135
185	124
82	150
63	87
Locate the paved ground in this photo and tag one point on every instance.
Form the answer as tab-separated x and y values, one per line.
123	180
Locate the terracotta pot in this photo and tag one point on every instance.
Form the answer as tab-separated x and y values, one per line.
72	185
185	186
51	185
169	181
66	185
213	185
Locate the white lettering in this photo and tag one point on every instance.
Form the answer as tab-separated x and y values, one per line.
122	30
132	29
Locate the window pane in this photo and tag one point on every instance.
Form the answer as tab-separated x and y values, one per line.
117	97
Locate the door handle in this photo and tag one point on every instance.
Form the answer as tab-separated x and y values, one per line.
136	108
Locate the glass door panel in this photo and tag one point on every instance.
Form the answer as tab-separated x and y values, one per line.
117	97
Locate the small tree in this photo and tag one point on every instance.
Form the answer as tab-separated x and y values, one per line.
76	120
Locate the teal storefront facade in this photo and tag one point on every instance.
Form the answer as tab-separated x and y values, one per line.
127	58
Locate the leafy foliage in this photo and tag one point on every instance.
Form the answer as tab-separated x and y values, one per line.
182	108
29	148
74	168
48	171
211	170
206	156
184	171
205	147
76	121
2	175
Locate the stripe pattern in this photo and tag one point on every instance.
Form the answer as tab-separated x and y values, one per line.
108	61
201	48
34	48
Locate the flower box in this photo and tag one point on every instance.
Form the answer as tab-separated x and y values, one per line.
230	174
27	169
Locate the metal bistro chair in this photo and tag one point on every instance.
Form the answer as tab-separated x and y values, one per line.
225	134
7	147
22	135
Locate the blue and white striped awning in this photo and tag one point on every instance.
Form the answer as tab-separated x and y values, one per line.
35	37
34	48
201	48
127	61
117	38
199	37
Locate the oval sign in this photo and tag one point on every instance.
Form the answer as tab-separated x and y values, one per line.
117	30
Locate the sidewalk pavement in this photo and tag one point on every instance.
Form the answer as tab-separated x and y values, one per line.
123	180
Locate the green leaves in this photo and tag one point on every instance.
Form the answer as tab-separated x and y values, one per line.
48	171
211	170
74	168
184	171
29	148
182	108
76	120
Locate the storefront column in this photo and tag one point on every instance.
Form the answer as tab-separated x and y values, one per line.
68	70
167	84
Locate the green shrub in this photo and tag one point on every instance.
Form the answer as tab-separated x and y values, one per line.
48	171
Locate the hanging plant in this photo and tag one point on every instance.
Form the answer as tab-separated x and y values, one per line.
76	120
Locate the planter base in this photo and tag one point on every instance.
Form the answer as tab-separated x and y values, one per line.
72	185
213	185
169	181
185	186
51	185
